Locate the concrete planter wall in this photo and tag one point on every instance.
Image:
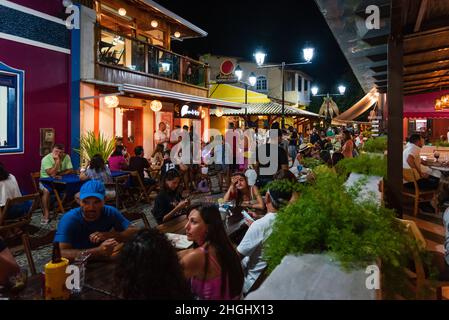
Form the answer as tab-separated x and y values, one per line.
370	191
314	277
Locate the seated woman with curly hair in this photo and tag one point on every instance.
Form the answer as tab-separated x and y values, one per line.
148	269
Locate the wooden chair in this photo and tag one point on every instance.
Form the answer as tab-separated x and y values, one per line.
20	223
144	191
35	176
419	274
411	175
133	216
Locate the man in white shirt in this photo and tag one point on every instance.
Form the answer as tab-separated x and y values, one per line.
411	159
161	136
251	246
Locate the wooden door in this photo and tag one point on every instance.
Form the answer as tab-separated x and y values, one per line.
132	129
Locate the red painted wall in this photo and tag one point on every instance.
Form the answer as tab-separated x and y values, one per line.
46	103
53	7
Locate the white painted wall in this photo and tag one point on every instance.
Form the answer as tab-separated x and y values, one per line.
106	124
3	114
87	112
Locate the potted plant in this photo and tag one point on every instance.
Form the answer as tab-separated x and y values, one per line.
91	145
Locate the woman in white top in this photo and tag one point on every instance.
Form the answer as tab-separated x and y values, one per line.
9	189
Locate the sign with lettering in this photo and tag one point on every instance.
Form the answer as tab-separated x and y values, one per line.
190	112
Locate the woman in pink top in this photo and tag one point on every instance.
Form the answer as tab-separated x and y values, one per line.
213	267
117	161
348	145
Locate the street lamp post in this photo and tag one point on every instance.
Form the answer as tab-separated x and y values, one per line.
252	79
260	59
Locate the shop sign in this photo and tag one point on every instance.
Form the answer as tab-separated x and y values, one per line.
227	72
190	112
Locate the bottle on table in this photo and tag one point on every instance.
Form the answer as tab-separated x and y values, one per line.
56	276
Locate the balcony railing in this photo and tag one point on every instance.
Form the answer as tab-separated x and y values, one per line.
136	55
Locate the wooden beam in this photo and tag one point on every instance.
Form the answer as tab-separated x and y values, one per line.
395	108
425	81
422	11
428	78
427	85
425	72
421	64
427	50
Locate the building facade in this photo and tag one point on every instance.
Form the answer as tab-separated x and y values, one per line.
269	80
131	81
36	98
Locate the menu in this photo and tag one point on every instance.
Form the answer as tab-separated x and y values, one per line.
179	240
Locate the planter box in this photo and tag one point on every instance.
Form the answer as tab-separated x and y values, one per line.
314	277
370	191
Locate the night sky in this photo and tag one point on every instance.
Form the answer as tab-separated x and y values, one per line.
281	27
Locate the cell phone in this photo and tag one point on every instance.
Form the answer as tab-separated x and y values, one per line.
247	216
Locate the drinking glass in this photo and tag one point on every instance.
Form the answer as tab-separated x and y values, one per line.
436	154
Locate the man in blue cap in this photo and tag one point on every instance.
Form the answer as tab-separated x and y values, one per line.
87	230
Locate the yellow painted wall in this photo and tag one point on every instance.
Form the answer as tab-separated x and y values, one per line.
236	94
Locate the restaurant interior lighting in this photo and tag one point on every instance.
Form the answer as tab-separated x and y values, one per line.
122	12
342	89
154	23
252	79
165	67
111	101
442	103
219	112
177	34
238	72
156	105
314	91
260	57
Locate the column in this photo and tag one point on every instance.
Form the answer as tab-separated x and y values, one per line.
303	97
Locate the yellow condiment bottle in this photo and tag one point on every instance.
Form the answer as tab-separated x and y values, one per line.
56	276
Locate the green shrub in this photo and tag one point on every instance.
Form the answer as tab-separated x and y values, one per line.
441	143
376	144
311	163
372	165
326	219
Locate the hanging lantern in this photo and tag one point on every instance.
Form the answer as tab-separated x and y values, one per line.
219	112
111	101
156	105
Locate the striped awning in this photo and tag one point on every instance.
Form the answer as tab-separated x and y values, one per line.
268	109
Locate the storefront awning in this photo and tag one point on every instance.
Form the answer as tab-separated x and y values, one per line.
159	93
358	108
269	109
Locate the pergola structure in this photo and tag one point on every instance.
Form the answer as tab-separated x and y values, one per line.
408	54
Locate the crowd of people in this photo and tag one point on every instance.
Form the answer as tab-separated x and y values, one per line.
148	266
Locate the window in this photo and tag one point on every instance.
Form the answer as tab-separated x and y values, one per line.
290	82
11	109
261	84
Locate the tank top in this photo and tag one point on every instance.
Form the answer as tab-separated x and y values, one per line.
209	289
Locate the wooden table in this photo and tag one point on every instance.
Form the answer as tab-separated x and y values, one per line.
99	284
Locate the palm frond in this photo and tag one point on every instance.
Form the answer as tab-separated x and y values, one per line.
91	145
